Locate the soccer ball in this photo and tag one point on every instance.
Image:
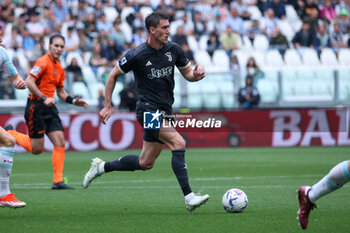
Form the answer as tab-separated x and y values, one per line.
234	201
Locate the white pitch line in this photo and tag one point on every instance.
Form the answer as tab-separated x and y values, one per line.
140	181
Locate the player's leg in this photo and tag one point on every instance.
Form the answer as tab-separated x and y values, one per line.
177	145
151	149
7	144
336	178
58	156
149	154
22	139
34	142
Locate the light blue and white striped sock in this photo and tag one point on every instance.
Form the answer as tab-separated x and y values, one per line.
336	178
6	160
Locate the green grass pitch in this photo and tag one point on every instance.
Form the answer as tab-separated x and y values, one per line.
151	201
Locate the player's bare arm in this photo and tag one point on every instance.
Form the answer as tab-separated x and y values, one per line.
18	82
108	109
62	94
193	75
30	82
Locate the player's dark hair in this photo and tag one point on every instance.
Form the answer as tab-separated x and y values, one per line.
0	28
153	19
54	36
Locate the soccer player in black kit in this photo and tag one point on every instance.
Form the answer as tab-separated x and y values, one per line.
153	65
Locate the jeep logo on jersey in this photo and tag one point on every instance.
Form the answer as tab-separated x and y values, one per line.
159	73
168	54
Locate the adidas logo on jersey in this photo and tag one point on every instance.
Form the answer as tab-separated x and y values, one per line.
148	63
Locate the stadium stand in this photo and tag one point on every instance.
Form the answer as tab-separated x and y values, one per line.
295	77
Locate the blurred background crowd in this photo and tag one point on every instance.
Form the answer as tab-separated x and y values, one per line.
234	39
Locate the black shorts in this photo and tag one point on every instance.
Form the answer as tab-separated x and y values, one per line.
41	119
150	135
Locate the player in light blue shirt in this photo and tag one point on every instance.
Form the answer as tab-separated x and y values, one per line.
7	141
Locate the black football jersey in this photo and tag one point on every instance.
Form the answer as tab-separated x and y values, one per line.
154	72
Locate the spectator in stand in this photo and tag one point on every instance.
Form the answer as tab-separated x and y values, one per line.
137	4
61	12
21	22
117	34
304	38
98	10
128	97
217	25
342	4
101	99
139	36
13	40
235	22
188	53
234	64
229	40
306	10
344	21
138	21
104	24
279	41
322	39
328	11
253	70
51	24
6	90
72	41
337	37
221	7
199	25
76	23
82	10
204	8
35	26
20	70
314	20
7	11
28	43
97	58
186	24
85	43
38	51
248	96
254	30
168	8
74	74
179	38
269	22
235	69
112	52
213	44
90	26
278	8
241	8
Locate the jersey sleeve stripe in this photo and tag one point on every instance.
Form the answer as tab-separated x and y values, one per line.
120	69
184	67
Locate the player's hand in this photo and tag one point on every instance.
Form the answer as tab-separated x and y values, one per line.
105	114
198	72
80	102
49	101
20	84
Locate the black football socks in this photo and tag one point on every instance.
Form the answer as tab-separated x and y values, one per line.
180	169
125	163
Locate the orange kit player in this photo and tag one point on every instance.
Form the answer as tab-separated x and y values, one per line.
41	113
